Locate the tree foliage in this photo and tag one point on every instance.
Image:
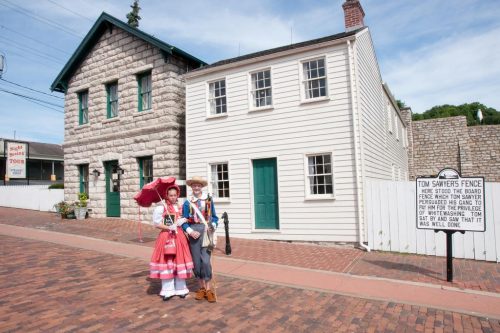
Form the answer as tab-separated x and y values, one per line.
490	115
133	17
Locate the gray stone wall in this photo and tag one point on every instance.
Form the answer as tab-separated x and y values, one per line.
448	142
159	132
436	144
485	146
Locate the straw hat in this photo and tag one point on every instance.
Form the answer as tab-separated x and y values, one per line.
196	180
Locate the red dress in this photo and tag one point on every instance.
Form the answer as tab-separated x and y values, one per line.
163	266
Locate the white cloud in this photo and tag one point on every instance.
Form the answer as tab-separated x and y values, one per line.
460	69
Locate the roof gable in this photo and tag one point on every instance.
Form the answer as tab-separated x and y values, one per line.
103	22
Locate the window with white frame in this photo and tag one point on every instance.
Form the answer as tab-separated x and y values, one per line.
261	89
219	180
320	174
314	73
217	97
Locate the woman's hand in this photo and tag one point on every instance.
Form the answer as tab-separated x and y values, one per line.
195	234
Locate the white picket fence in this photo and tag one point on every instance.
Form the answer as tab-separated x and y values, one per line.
390	217
34	197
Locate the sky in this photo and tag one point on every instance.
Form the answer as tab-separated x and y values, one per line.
430	52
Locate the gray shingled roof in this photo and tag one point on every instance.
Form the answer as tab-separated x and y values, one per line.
40	150
280	49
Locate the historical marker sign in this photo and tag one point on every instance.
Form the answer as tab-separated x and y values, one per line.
450	202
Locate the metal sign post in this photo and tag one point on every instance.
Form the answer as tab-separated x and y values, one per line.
450	203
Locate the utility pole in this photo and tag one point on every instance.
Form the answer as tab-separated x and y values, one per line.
2	64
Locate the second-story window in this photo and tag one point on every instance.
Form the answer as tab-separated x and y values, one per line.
112	99
217	97
261	89
83	107
145	97
314	78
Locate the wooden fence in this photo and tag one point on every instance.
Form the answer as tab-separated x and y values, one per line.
34	197
390	217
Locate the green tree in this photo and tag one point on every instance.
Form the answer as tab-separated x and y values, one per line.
133	17
401	104
469	110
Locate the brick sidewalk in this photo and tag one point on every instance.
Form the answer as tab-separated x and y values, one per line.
53	288
468	274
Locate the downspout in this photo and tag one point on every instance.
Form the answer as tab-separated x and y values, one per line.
356	129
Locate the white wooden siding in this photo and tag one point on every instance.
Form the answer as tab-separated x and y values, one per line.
287	132
381	149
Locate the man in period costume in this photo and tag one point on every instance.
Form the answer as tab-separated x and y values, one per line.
202	220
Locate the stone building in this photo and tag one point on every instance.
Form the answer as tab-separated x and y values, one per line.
449	142
124	115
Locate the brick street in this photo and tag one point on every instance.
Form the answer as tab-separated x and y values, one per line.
49	287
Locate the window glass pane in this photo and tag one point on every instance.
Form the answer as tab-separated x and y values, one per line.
219	180
217	97
320	174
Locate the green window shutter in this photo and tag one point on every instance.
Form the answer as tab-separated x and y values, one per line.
141	174
139	96
81	178
80	111
108	101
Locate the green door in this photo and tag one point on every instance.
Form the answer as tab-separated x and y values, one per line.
265	184
112	189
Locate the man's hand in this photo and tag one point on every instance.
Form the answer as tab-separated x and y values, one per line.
195	234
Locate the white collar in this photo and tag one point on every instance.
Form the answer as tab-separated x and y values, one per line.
204	196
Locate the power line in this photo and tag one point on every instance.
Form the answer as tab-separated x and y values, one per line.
32	98
48	107
38	91
33	50
71	11
23	11
36	60
33	39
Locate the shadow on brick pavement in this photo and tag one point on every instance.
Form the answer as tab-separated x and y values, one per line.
53	288
468	274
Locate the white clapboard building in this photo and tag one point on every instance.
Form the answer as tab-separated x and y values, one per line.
287	136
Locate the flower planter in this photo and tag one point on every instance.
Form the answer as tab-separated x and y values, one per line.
80	213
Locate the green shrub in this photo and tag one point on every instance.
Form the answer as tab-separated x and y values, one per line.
56	186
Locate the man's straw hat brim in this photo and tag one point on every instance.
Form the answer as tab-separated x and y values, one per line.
196	180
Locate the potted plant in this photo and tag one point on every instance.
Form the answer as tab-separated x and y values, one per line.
81	206
65	209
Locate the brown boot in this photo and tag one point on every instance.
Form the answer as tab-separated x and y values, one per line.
200	294
211	296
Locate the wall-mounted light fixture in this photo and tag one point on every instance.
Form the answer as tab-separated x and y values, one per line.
96	173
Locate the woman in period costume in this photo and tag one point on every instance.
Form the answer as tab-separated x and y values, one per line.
171	260
199	212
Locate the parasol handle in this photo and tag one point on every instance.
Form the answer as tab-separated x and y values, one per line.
140	228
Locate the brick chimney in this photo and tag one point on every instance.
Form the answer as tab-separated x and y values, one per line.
353	15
